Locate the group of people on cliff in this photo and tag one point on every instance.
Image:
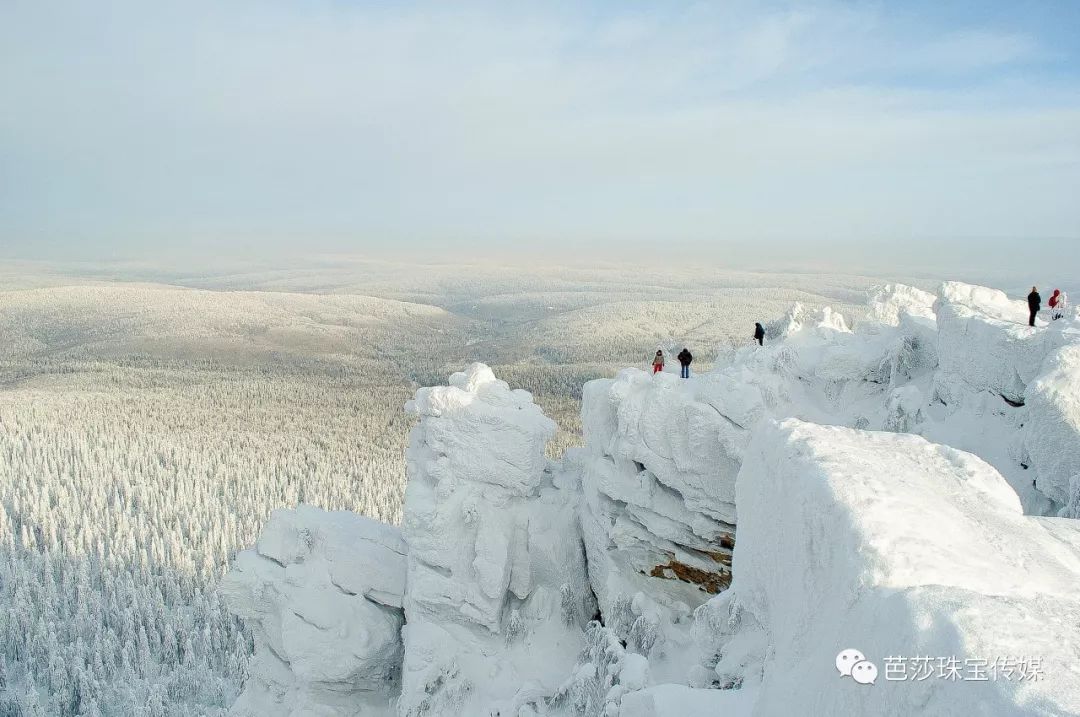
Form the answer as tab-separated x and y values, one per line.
1058	302
686	358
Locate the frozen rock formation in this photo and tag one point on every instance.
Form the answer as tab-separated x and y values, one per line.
612	583
658	472
658	480
985	344
497	589
322	593
898	548
1052	432
893	303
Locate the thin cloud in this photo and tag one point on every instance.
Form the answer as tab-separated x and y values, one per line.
137	124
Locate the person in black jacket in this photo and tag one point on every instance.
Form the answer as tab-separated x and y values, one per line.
1034	304
759	334
685	357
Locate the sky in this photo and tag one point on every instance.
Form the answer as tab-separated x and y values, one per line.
719	129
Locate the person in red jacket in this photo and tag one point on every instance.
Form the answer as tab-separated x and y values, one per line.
1057	303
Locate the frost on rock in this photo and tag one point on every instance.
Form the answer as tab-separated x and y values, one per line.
658	476
896	547
985	343
661	457
893	303
887	542
495	558
1052	432
322	593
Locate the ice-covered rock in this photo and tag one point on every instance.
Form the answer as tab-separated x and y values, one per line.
1052	432
658	479
322	593
883	542
662	454
898	548
497	590
891	303
985	343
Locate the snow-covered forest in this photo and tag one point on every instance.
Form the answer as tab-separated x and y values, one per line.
147	431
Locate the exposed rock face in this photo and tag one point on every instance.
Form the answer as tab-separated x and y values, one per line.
322	592
658	476
496	567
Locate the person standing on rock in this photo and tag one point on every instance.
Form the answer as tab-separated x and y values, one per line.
1057	304
685	357
658	362
1034	304
759	334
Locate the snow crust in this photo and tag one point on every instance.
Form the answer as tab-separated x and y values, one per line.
889	482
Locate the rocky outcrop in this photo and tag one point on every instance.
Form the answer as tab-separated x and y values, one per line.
658	479
497	588
322	593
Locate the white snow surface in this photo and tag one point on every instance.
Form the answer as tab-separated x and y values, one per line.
888	482
897	547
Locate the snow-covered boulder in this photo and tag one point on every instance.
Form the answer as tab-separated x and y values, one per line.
891	303
914	554
322	593
497	591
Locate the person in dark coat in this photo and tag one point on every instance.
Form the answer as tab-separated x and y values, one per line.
685	357
759	334
1034	304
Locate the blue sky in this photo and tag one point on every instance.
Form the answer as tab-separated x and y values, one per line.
135	128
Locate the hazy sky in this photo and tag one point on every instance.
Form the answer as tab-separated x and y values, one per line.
140	127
